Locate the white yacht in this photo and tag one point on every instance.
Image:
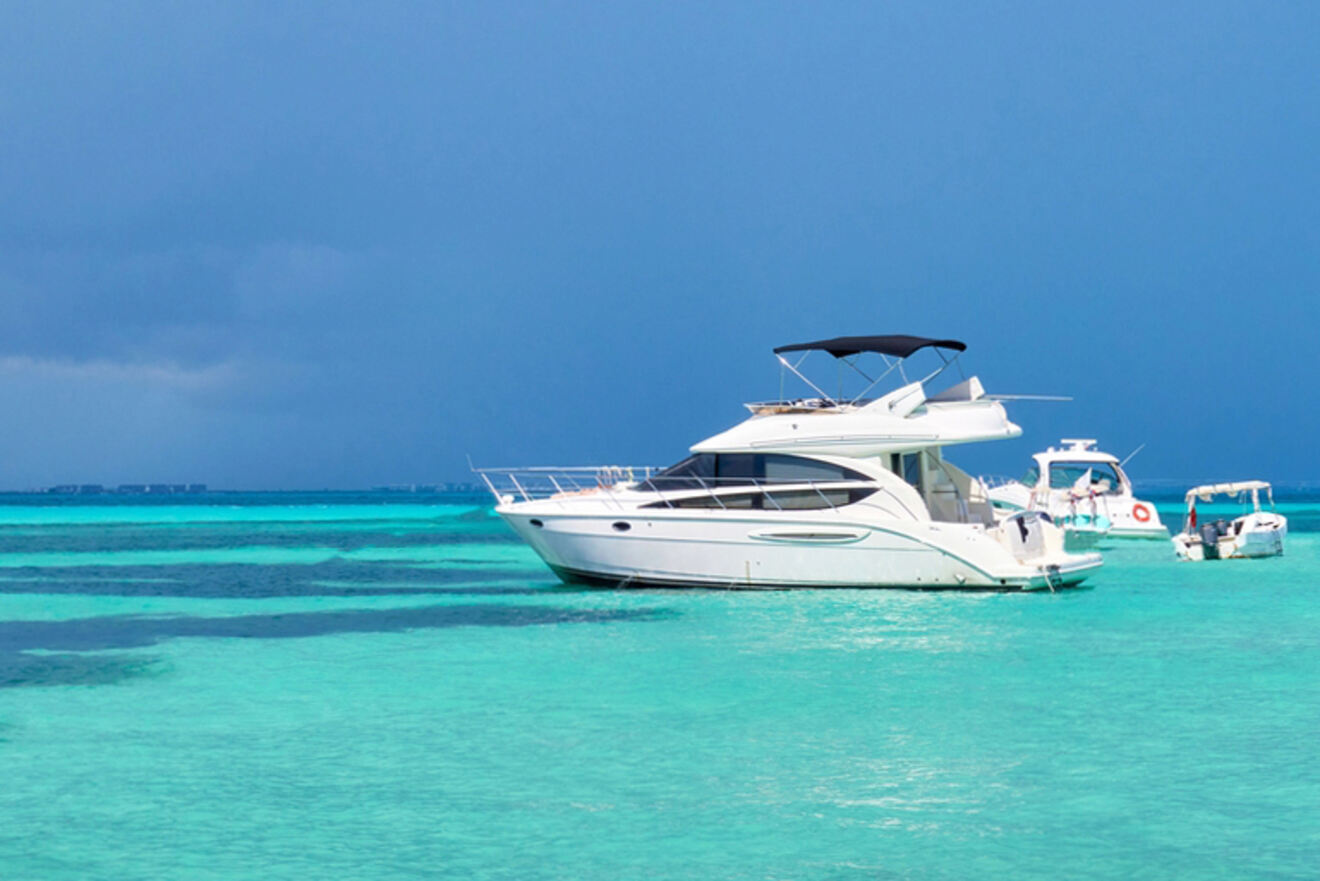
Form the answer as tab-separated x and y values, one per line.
1082	489
823	491
1256	533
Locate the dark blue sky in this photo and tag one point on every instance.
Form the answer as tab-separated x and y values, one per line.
340	244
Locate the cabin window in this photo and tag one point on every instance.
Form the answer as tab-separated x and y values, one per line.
733	502
810	499
908	467
794	468
912	469
1031	477
708	470
732	469
694	472
787	500
1064	475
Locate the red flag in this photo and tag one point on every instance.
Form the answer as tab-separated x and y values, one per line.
1191	515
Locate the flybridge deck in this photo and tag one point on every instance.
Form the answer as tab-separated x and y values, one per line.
904	418
893	350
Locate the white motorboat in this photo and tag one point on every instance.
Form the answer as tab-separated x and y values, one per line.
812	492
1257	533
1084	490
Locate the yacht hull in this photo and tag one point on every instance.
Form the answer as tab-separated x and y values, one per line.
664	549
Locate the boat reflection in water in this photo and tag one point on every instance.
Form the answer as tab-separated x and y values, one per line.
818	491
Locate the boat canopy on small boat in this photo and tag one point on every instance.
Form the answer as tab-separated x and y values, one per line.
1257	533
1208	492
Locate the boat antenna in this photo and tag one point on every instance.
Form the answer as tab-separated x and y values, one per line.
889	368
899	364
1130	455
1053	398
943	367
824	394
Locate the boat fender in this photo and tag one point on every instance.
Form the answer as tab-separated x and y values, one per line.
1140	513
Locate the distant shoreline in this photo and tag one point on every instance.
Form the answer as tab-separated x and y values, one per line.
201	489
1163	489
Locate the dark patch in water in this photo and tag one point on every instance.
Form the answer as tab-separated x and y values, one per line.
85	538
239	581
19	638
268	591
19	669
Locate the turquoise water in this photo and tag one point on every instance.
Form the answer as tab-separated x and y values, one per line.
294	687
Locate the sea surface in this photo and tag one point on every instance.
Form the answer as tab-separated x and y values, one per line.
343	686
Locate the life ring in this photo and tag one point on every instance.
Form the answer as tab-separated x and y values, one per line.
1140	513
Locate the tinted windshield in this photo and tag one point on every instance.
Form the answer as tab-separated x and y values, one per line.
1103	477
780	500
710	470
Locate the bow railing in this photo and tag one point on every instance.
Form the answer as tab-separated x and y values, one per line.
528	484
509	485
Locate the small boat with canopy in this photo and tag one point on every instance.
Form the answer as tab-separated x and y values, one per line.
1256	533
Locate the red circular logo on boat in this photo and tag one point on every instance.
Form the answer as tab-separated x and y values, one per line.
1140	513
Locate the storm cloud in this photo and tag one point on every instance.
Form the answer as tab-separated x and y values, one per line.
298	247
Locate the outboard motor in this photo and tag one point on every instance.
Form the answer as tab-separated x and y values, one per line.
1210	540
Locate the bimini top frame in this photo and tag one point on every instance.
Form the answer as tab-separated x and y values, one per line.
894	346
1208	492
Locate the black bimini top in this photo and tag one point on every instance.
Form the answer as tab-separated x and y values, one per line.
897	345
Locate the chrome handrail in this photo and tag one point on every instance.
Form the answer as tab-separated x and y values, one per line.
550	482
541	482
